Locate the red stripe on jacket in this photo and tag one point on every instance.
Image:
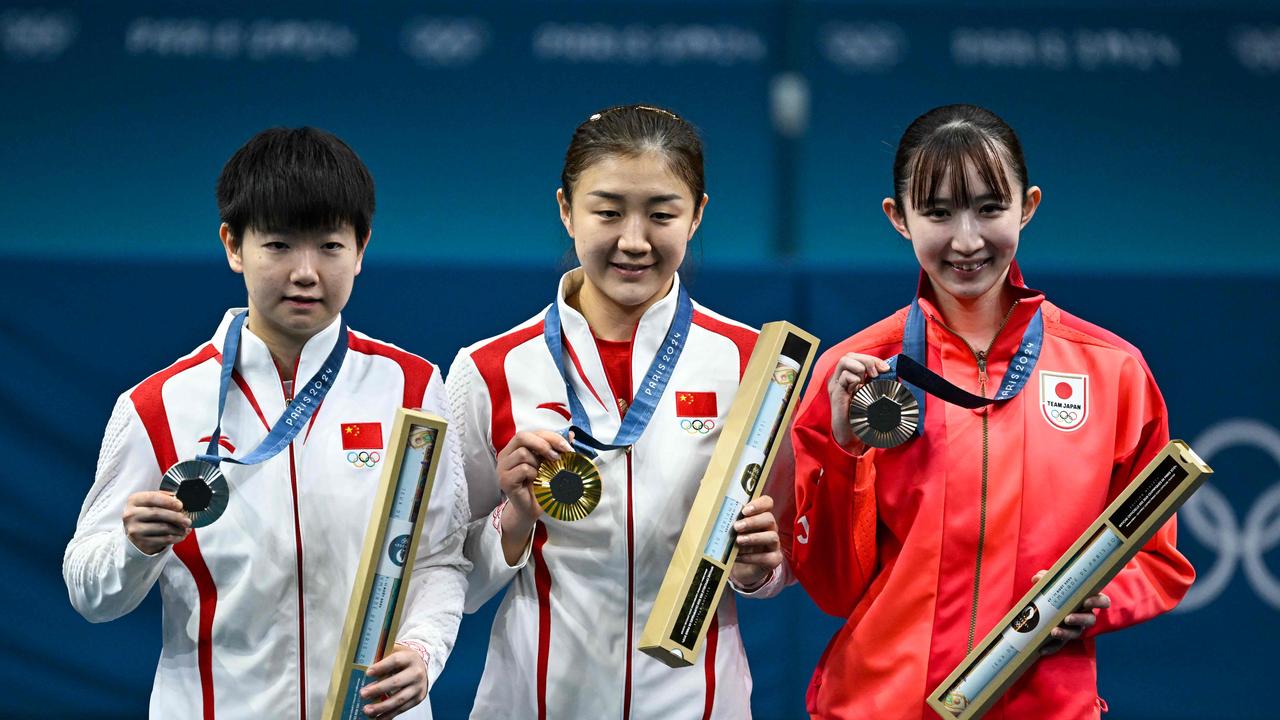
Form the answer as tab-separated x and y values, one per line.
709	666
244	388
148	400
417	371
490	362
744	338
577	365
542	578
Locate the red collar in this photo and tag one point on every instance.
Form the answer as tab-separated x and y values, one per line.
1027	302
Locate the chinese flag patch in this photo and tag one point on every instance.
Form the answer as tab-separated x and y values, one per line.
362	436
695	404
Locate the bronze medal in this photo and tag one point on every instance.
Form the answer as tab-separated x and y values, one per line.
884	413
569	488
201	488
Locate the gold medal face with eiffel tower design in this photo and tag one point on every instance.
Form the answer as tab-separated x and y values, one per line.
569	488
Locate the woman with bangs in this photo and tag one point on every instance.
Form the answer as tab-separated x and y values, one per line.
618	388
925	545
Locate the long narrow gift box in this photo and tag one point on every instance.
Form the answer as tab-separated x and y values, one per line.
390	546
743	455
1085	568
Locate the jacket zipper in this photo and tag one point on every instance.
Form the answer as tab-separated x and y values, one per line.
981	356
302	626
631	580
982	512
297	536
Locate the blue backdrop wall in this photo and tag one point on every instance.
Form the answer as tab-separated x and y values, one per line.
1148	125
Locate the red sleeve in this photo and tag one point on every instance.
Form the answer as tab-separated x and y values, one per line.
833	548
1158	576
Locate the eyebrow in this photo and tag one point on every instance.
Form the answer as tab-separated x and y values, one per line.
981	199
620	197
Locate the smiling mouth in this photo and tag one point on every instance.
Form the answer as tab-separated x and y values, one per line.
969	267
630	268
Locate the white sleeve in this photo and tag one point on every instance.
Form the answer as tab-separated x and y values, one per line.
469	399
779	486
438	584
106	575
777	581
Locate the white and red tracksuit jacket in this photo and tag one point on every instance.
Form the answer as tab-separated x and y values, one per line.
254	603
924	547
564	642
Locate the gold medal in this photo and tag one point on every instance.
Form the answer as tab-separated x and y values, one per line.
569	488
201	489
884	413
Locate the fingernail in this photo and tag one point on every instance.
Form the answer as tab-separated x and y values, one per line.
739	526
749	508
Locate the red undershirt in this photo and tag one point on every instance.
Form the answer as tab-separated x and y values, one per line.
615	355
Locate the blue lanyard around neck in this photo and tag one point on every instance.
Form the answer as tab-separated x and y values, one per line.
655	381
911	366
305	400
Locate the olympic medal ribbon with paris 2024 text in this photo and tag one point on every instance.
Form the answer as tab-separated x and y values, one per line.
184	477
573	503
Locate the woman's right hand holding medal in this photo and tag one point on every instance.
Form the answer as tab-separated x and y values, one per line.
153	520
851	372
517	468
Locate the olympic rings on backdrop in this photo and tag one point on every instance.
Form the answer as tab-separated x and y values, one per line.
1068	416
1243	541
363	458
697	427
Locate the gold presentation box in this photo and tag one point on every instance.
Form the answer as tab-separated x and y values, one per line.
761	411
1083	570
390	545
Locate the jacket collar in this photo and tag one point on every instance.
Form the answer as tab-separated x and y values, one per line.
646	343
257	367
1026	302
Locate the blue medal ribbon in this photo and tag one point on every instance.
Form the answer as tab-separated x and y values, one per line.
295	417
909	366
651	388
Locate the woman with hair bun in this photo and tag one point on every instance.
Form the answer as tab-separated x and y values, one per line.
580	580
924	546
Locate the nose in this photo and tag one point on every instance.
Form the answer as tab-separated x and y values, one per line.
967	239
304	268
634	240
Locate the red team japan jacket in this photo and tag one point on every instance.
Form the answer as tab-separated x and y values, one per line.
925	547
564	642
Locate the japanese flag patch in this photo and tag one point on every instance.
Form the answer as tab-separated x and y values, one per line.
1064	399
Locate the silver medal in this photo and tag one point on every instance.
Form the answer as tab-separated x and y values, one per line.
201	489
